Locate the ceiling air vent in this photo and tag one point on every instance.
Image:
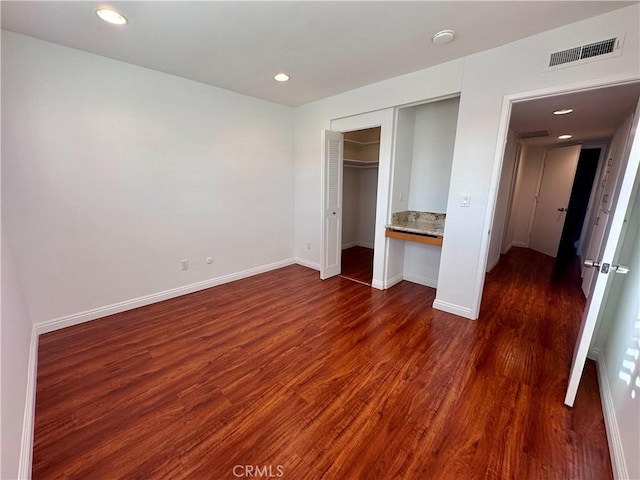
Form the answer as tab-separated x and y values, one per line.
585	52
533	134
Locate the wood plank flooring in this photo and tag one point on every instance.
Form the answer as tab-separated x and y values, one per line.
357	264
283	373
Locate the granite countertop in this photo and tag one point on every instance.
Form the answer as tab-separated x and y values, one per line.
422	223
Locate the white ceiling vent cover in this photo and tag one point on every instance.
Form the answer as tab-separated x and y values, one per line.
589	52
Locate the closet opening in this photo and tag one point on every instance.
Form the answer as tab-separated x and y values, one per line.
359	200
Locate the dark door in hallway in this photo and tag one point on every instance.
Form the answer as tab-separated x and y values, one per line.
577	209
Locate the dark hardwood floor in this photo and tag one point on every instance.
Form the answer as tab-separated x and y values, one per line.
357	264
328	379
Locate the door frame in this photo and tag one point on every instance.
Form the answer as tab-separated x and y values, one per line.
384	120
512	188
501	142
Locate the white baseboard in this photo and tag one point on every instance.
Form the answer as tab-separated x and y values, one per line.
307	263
504	251
77	318
493	264
452	308
383	285
393	281
28	421
26	452
427	282
618	461
349	245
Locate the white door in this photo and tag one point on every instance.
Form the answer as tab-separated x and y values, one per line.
606	192
332	155
599	230
608	264
559	170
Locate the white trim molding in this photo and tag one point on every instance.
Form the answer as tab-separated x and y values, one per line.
88	315
452	308
492	265
307	263
28	421
618	461
26	449
378	285
427	282
390	282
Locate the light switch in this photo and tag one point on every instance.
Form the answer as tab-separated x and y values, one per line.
466	200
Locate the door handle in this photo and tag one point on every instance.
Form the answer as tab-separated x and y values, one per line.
591	264
563	209
621	269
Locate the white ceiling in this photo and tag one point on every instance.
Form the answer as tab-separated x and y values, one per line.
326	47
596	114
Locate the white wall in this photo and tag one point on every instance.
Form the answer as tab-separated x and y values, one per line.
433	141
400	175
421	263
350	192
359	206
311	119
368	178
15	335
402	159
488	76
113	173
434	132
619	340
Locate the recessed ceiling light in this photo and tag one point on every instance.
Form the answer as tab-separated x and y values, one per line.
111	16
281	77
566	136
563	111
443	36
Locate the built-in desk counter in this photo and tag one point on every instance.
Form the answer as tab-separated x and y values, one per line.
414	226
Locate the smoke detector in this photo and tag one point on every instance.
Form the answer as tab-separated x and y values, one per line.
443	36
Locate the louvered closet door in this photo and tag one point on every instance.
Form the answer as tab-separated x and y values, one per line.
333	145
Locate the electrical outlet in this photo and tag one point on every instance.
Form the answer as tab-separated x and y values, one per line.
185	264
